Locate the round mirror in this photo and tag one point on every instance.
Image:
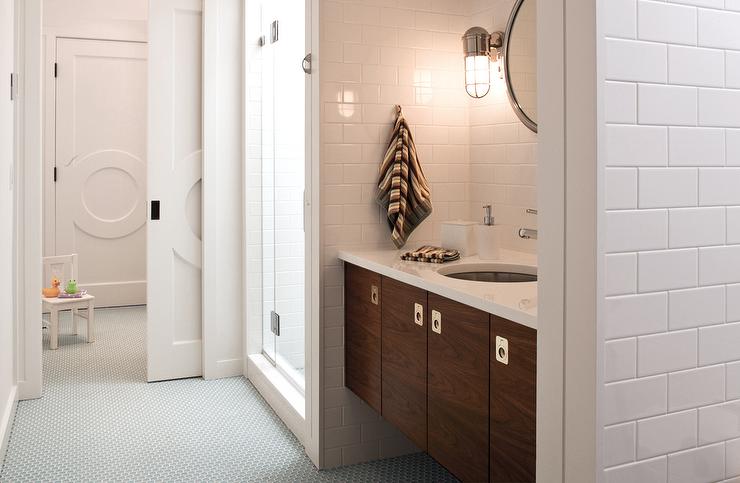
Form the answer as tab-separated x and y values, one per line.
520	61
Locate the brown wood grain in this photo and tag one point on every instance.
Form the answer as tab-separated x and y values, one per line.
458	390
404	360
362	366
513	404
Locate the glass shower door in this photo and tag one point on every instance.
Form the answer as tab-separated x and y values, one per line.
284	161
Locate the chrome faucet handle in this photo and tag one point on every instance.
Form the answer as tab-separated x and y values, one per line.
527	233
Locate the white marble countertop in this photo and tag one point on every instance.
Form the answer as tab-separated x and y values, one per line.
513	301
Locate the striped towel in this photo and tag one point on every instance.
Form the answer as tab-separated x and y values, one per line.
402	188
431	254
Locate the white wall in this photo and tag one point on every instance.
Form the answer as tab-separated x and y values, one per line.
372	57
503	151
7	322
669	157
71	12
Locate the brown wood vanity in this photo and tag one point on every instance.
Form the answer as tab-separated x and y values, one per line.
428	365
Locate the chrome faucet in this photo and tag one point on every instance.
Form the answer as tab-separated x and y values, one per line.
487	215
527	233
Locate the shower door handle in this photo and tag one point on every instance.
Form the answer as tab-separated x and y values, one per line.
306	64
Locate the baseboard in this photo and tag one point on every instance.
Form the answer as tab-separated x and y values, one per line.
280	394
8	413
227	368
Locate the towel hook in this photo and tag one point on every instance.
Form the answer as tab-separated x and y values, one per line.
399	109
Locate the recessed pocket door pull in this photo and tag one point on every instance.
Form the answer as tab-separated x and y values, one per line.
374	294
436	322
419	314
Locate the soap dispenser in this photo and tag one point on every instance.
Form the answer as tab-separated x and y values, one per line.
488	236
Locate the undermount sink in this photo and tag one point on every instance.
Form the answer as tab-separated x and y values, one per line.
491	272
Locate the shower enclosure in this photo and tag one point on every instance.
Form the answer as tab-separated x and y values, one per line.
282	79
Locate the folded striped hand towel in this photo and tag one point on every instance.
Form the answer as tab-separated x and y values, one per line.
402	187
431	254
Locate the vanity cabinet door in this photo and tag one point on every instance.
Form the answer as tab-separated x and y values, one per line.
458	389
404	356
362	295
513	402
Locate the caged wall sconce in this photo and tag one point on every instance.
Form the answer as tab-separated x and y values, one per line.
481	49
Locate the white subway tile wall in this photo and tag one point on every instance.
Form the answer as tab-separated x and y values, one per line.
672	240
374	54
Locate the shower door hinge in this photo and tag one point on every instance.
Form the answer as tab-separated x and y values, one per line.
275	323
306	64
274	31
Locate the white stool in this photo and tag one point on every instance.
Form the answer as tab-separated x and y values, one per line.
64	267
56	305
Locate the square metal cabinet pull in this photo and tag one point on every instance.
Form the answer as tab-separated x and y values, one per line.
374	297
502	350
419	314
436	322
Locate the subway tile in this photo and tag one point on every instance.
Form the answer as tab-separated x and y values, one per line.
732	458
668	187
693	66
719	265
664	22
691	146
635	399
621	188
733	303
632	315
732	69
361	14
620	100
732	378
719	343
719	186
361	54
636	145
620	18
666	434
667	270
649	471
697	465
666	105
733	225
619	444
719	423
696	387
696	227
636	230
732	146
718	29
696	307
620	359
719	107
672	351
621	274
702	3
629	60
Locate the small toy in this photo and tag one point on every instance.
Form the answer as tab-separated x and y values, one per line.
53	291
71	287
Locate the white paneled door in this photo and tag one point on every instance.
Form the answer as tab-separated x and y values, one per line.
100	157
174	321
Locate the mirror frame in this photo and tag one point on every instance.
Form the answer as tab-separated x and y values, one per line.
526	120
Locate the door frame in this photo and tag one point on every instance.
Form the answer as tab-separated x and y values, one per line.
33	67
